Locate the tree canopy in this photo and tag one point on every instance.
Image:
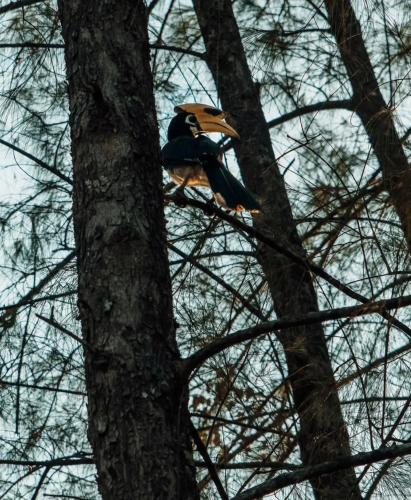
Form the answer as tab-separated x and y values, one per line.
329	85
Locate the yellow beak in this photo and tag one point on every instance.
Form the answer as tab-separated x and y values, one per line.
209	118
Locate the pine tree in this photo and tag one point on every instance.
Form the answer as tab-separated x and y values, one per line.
291	383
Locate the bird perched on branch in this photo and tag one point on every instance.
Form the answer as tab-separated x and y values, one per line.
192	159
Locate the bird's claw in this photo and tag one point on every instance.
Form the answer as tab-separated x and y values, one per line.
208	209
169	186
179	196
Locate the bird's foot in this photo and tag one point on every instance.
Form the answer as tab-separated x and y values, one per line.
179	196
210	204
169	186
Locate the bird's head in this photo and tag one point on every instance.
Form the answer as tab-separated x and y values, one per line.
195	119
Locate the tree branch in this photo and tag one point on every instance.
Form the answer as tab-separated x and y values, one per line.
174	48
11	311
39	162
376	115
218	280
202	450
55	462
52	322
405	137
156	46
304	110
151	5
31	45
312	108
312	471
41	387
60	496
52	296
250	465
40	483
17	5
235	338
254	233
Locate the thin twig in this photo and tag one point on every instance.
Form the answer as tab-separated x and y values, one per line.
31	45
52	322
312	471
39	162
17	5
317	270
219	345
41	387
209	464
26	299
346	104
54	462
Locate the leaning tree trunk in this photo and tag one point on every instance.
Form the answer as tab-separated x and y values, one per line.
374	113
323	435
138	420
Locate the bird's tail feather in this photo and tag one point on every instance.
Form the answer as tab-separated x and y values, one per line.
227	189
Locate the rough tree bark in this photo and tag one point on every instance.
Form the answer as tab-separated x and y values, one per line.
138	420
323	435
370	106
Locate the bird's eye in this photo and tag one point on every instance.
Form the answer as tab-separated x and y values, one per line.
191	120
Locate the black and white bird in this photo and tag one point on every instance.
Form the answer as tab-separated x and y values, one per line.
193	159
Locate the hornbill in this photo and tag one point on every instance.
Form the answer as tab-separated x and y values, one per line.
192	159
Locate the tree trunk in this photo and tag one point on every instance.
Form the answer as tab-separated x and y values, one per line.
323	435
138	419
370	106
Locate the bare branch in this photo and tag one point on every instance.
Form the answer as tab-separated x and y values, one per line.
304	110
374	364
57	268
220	281
376	115
312	471
31	45
68	497
174	48
317	270
155	46
250	465
52	296
405	137
40	483
52	322
208	463
18	5
151	5
26	299
270	326
39	162
41	387
56	462
312	108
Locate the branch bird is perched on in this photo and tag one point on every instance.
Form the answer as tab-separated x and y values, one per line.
192	159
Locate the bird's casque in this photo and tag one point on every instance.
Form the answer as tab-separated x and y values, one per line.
193	159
